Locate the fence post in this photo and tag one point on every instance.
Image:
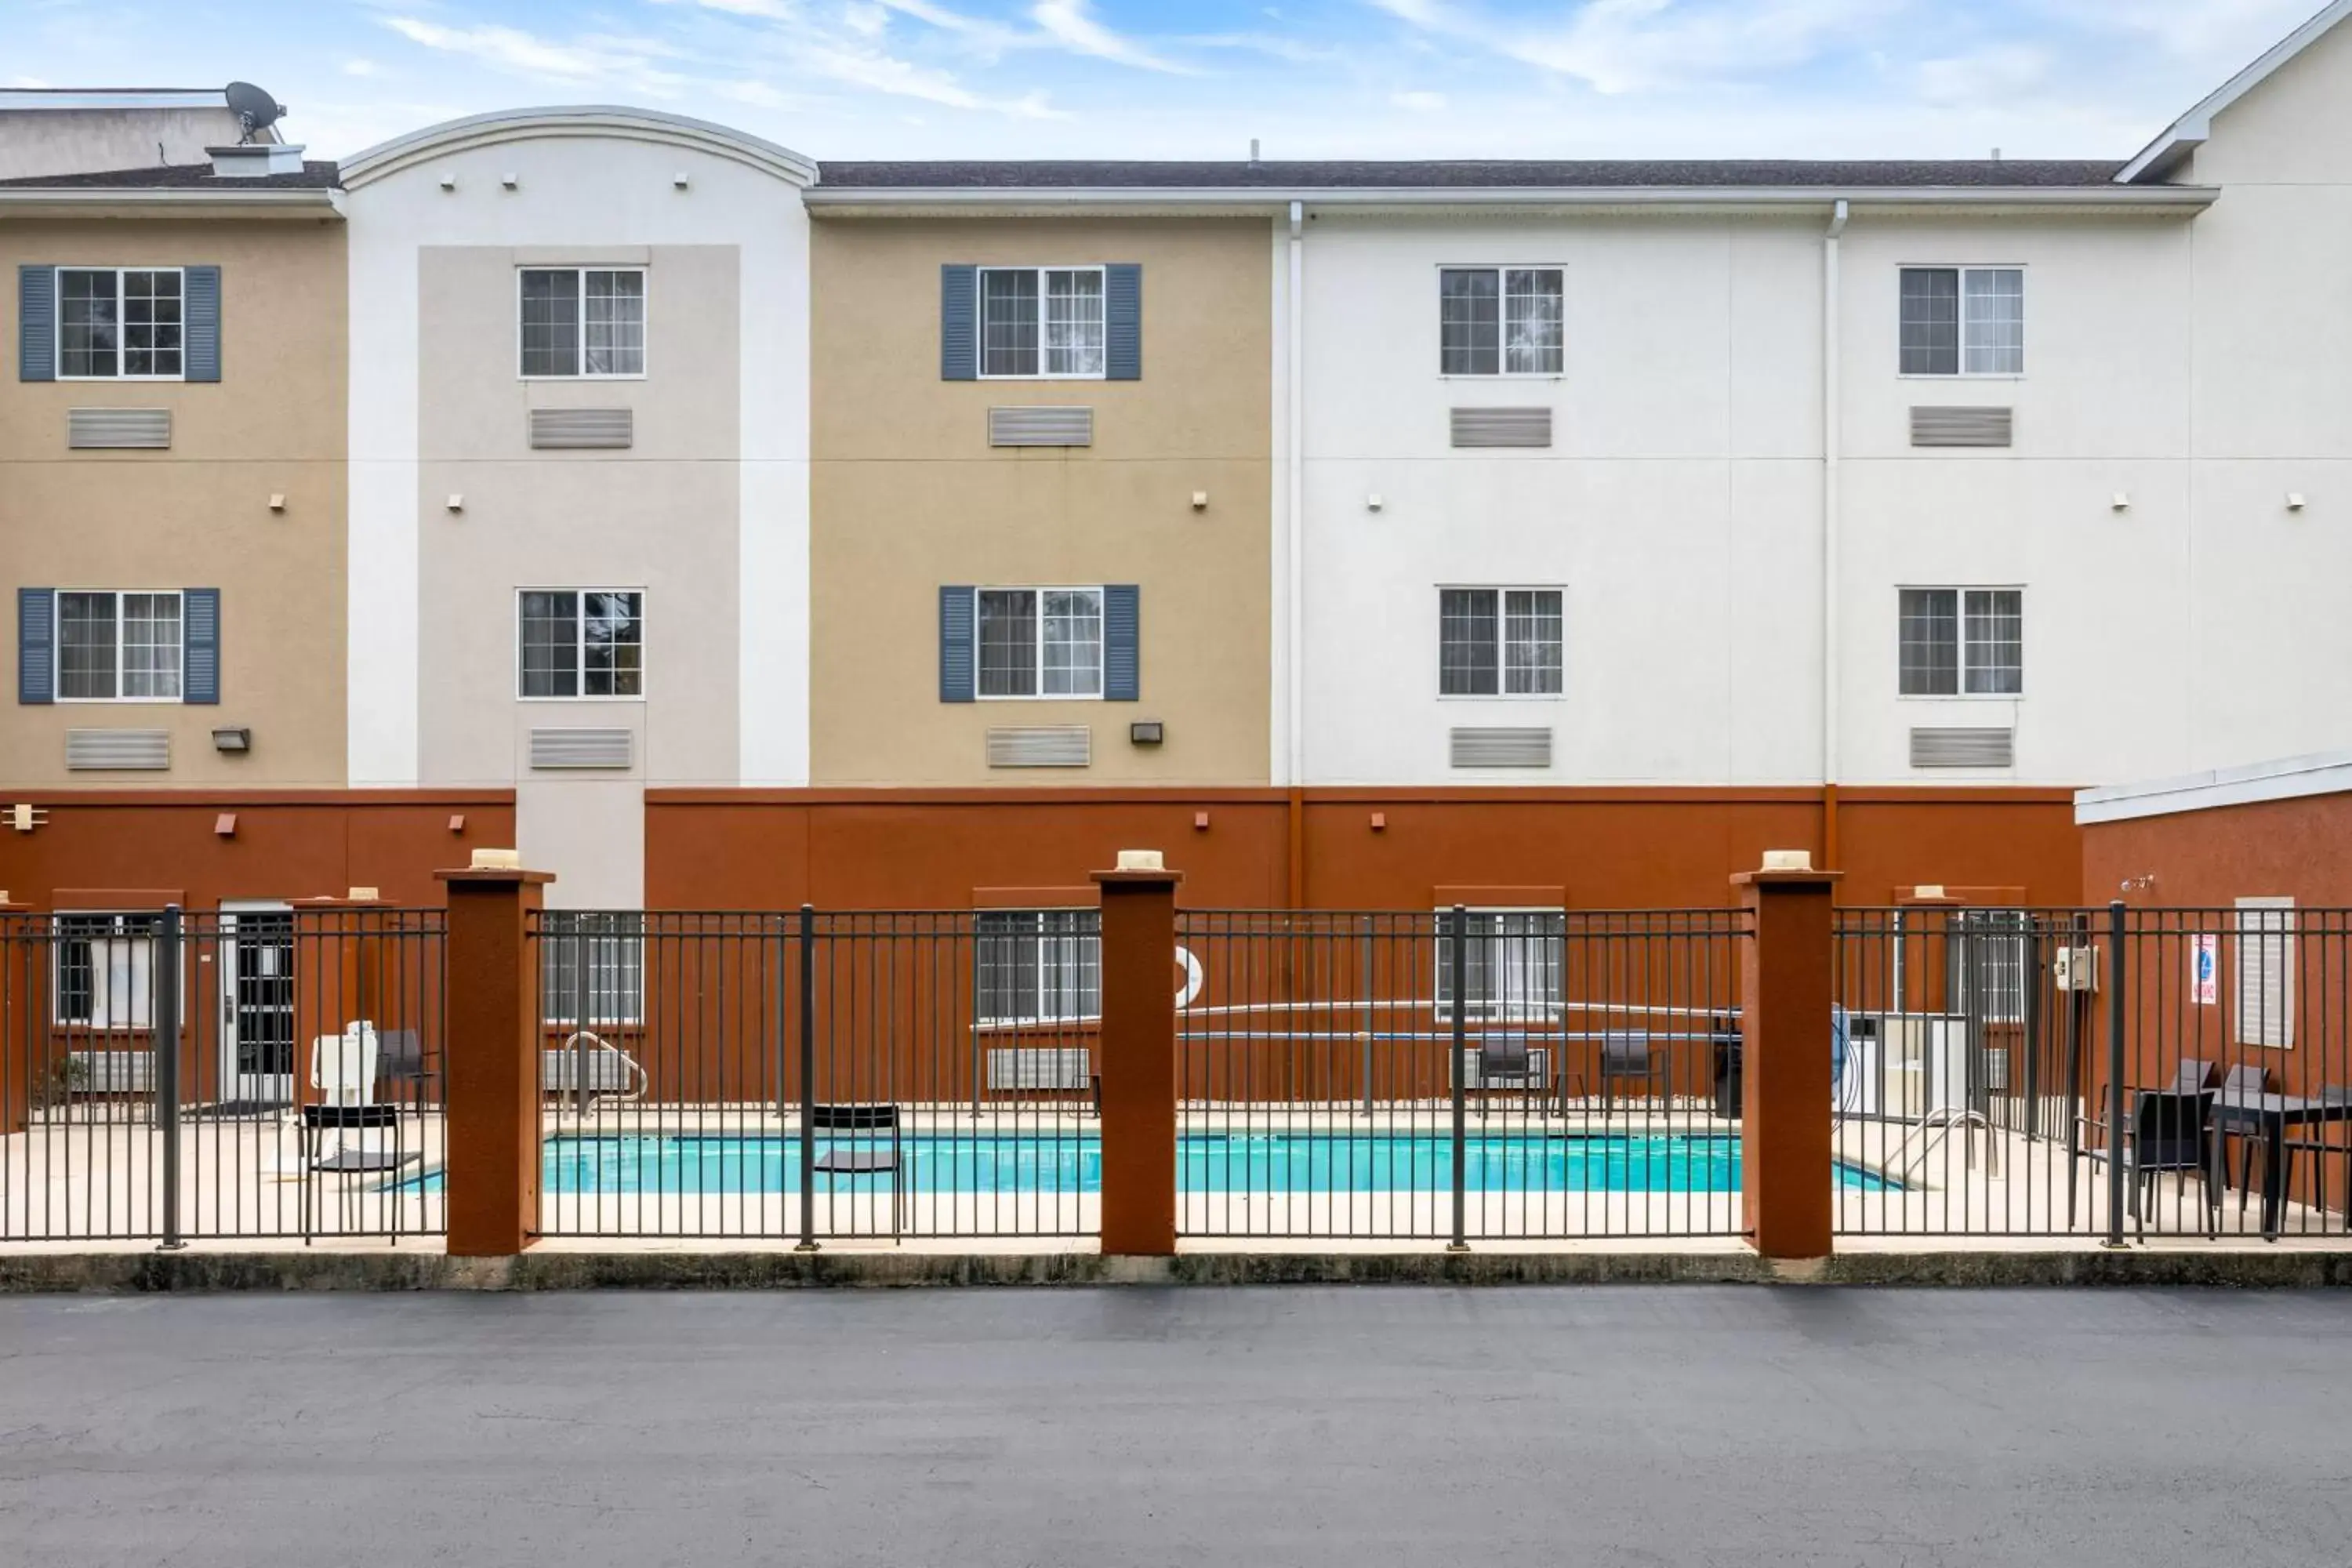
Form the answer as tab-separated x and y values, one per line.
490	1156
1788	1163
22	945
808	1079
2114	981
1457	942
166	980
1139	1056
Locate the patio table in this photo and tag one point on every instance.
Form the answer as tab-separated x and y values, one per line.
2267	1117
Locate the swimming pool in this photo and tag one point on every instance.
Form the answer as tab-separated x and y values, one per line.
985	1162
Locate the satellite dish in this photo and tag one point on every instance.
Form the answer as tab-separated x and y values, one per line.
255	109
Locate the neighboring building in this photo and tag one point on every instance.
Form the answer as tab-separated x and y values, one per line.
85	131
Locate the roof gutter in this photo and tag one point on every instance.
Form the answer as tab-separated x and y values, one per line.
39	199
1275	201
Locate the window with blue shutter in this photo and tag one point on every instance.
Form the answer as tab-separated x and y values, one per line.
955	645
200	622
1122	639
37	324
201	291
959	323
1123	321
37	645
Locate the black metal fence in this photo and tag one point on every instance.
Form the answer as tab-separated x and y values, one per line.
1463	1074
2110	1072
262	1072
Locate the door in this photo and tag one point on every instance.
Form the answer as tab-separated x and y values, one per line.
258	1003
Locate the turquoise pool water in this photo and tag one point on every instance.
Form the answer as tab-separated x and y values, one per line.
1206	1162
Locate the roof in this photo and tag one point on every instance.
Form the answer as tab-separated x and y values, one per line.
315	176
2192	130
2290	778
1476	175
610	121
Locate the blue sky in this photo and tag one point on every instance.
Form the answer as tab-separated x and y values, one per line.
1161	78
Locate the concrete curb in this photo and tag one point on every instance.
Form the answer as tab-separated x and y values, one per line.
141	1272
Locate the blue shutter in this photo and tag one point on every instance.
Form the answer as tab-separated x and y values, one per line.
37	324
1123	321
1122	634
37	645
201	305
955	645
200	633
959	323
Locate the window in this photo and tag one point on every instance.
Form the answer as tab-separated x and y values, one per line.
1040	642
105	971
1516	958
1990	974
1962	642
1038	966
1499	320
119	322
1963	321
584	321
614	949
1498	642
119	648
1041	321
582	642
2264	994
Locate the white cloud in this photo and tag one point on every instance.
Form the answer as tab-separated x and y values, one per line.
1072	23
1630	46
627	61
1998	75
878	72
1418	102
868	21
361	68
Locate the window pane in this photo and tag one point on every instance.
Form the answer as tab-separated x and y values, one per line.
86	645
1074	643
550	322
1996	322
1468	651
1008	642
1469	321
1531	641
612	947
1931	321
86	323
1069	963
1516	963
151	646
613	629
1996	642
551	645
1531	321
1073	323
1988	979
151	323
615	323
1004	965
1008	322
1931	642
1032	966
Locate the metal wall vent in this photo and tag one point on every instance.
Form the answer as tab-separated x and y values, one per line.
146	428
1502	426
1041	427
1963	748
572	429
1960	426
1040	1066
117	750
1501	748
1041	746
582	747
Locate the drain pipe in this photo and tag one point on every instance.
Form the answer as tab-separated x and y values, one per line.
1832	514
1294	529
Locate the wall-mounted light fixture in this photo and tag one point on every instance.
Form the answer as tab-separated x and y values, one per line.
456	823
509	180
277	502
457	502
1147	732
2294	500
226	825
680	180
233	738
2119	501
1373	501
25	816
1199	822
448	181
1200	500
1380	822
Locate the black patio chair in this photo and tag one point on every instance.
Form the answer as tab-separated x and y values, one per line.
864	1162
2321	1150
1505	1061
352	1164
2171	1133
2249	1137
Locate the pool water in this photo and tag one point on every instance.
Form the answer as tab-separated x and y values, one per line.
1009	1163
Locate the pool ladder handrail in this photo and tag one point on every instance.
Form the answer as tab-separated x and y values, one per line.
1900	1162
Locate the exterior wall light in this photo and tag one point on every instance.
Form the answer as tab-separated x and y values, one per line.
233	738
1147	732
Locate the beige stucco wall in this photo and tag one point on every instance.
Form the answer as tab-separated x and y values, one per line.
906	495
198	514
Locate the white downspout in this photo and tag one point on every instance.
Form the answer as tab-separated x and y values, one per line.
1831	509
1295	511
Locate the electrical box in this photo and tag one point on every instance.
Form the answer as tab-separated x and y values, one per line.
2075	968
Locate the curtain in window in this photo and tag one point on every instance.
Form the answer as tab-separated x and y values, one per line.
151	646
1531	637
1074	643
614	323
1995	634
1996	320
1532	321
1073	322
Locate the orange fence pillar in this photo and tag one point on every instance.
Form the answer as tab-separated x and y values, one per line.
1139	1056
24	949
490	1160
1786	1163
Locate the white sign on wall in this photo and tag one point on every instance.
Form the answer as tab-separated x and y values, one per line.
2204	968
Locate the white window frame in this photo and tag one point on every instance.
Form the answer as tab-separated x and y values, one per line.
1502	321
136	957
1102	664
579	323
1961	323
58	649
2257	922
580	645
612	952
1037	943
1505	1009
57	320
1961	630
980	321
1502	693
